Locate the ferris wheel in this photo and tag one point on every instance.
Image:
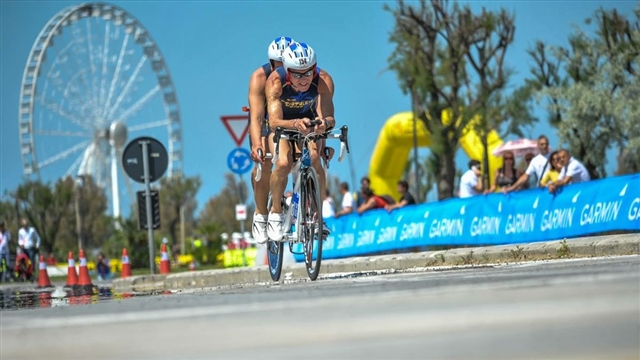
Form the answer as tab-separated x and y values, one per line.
93	78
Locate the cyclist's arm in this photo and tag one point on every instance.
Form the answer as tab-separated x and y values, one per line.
256	104
325	107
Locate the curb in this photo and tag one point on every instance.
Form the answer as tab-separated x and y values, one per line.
606	245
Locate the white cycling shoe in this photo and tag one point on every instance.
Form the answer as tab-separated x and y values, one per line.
259	228
275	226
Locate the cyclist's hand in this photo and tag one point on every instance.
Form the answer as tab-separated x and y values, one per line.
256	151
303	125
322	128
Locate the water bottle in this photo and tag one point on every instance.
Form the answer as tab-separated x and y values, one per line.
306	159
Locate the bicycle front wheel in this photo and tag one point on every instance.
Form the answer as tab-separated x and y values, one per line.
312	222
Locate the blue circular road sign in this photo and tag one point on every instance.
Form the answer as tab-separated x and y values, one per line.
239	161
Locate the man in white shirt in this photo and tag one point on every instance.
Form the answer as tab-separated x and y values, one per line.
29	240
327	205
538	166
470	183
573	171
5	236
347	200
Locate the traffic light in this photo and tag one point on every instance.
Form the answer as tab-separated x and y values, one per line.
155	210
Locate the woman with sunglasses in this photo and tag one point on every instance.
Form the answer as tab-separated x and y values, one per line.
297	93
553	174
507	175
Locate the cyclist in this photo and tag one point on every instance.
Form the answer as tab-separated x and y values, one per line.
258	131
297	93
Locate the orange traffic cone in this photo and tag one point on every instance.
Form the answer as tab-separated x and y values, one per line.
165	266
126	266
83	277
192	266
72	276
43	275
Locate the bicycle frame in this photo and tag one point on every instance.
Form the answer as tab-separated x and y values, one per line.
299	168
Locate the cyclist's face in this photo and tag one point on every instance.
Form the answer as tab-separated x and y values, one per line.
301	79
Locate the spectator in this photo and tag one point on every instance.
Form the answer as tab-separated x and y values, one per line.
405	199
24	267
347	200
5	236
470	183
365	183
51	259
327	205
29	240
371	201
531	183
538	166
507	175
103	268
553	174
573	171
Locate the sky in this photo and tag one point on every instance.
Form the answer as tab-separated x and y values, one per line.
212	47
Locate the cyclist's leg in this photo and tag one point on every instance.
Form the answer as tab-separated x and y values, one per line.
277	184
261	194
317	153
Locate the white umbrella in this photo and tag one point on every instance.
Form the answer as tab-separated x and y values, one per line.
519	147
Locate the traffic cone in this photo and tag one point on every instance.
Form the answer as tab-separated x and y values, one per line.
72	276
165	266
126	266
83	277
43	276
192	266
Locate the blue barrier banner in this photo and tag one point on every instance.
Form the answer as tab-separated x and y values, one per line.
496	219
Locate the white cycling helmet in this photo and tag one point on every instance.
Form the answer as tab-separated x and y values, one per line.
298	56
277	46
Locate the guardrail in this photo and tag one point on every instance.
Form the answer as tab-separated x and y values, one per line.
519	217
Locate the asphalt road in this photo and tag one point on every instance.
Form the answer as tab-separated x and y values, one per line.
575	309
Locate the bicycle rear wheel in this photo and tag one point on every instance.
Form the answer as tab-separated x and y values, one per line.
312	220
275	250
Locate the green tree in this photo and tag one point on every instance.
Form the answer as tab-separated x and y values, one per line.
178	202
45	207
9	214
591	89
128	235
220	209
448	57
95	225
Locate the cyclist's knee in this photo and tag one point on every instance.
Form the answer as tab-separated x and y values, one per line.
283	165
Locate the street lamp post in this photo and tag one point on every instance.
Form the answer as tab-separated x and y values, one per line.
79	183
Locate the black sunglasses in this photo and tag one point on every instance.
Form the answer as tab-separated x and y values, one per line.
301	75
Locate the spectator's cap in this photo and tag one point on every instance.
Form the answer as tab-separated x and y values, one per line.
165	241
475	163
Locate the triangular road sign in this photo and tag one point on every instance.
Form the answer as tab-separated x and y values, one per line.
237	125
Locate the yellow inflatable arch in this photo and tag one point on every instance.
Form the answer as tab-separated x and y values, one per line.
395	141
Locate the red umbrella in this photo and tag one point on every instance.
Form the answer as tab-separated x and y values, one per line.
519	147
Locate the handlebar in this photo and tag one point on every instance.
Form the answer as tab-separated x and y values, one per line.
294	135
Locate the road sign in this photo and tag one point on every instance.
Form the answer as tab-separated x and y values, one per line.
239	161
132	160
142	210
237	125
241	212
